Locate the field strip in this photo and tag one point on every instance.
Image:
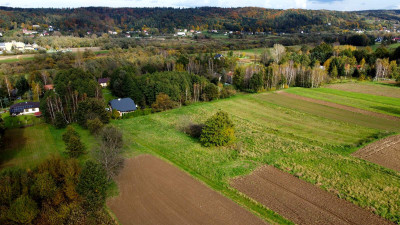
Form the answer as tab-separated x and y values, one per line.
299	201
155	192
385	152
339	106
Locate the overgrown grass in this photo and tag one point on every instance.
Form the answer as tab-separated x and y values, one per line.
381	104
20	121
313	147
27	147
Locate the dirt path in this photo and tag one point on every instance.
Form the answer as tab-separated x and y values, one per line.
339	106
155	192
299	201
385	152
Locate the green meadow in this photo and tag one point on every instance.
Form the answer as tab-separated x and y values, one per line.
311	146
311	141
375	103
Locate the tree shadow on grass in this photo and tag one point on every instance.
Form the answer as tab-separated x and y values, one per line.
13	140
387	109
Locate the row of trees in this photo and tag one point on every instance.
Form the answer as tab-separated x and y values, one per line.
181	87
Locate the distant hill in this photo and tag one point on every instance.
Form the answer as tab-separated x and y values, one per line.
101	19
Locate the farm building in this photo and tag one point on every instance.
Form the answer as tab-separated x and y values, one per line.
123	105
23	108
103	81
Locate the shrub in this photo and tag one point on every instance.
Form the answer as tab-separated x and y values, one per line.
211	92
109	152
69	133
92	185
218	130
94	125
60	122
115	114
75	147
227	92
23	210
44	186
90	109
194	130
163	102
73	143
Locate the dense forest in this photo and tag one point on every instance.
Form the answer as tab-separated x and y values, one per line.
165	20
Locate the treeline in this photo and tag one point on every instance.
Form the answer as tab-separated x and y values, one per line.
180	87
164	20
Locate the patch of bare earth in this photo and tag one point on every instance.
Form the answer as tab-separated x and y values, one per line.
154	192
385	152
299	201
339	106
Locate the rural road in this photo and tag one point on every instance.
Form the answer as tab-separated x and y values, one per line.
153	191
299	201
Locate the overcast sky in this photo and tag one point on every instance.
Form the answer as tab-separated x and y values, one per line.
344	5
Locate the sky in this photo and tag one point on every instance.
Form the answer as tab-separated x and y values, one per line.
342	5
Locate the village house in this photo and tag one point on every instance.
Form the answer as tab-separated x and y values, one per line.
122	105
104	81
49	87
24	108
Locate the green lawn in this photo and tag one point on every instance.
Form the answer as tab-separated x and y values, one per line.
313	146
107	95
27	147
390	47
20	121
381	104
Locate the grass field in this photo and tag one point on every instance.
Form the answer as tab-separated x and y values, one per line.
380	104
375	88
27	147
390	47
312	146
20	121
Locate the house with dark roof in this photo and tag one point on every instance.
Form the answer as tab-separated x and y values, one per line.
218	56
104	81
123	105
24	108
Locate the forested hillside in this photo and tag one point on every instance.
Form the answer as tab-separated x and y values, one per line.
98	19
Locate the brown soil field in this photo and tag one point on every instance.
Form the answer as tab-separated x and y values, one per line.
367	89
299	201
154	192
339	106
385	152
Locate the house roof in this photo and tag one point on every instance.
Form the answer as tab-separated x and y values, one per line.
19	107
123	104
217	56
49	87
103	80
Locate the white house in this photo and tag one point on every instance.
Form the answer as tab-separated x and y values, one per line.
24	108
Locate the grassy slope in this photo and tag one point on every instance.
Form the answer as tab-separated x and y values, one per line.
27	147
381	104
367	87
295	141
